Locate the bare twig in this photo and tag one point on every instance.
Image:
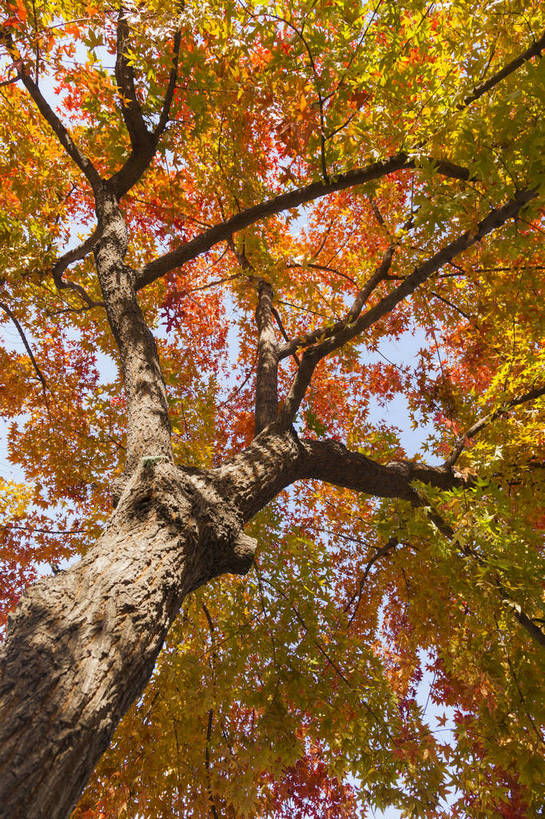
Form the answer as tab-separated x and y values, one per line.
388	547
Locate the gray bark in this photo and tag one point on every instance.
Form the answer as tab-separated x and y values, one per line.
148	424
81	646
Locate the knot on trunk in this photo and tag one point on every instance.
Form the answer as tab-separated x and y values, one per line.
242	557
187	502
227	548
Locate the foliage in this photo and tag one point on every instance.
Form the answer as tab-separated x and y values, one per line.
373	657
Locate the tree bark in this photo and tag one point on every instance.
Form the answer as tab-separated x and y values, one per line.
81	646
148	424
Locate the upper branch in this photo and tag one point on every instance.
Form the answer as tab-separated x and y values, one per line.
223	231
329	330
172	79
496	218
200	244
143	142
124	75
311	358
83	162
533	51
266	388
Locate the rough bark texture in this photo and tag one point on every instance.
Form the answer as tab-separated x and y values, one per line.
82	645
148	424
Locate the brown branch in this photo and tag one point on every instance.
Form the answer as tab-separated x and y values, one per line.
266	387
285	201
533	51
332	462
27	346
483	422
124	74
59	129
282	329
450	304
315	266
301	308
276	459
309	362
144	143
172	79
68	258
75	254
341	332
388	547
329	330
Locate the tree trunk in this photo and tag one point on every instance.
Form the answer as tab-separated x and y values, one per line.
82	645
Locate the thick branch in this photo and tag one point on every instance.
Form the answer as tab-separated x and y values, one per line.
75	254
68	258
172	79
144	143
223	231
61	132
124	75
133	169
329	330
83	162
275	459
332	462
148	424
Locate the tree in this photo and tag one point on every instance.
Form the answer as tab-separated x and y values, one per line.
275	192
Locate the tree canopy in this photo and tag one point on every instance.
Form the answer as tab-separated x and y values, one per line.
279	193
